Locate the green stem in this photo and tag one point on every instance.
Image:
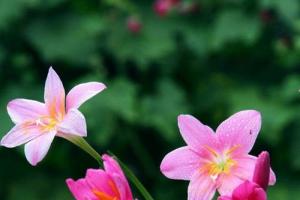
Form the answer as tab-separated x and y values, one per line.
84	145
133	179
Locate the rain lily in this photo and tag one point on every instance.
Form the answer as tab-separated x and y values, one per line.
254	190
36	123
98	184
214	161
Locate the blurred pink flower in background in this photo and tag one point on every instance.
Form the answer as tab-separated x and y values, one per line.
163	7
36	123
134	25
254	190
98	184
215	161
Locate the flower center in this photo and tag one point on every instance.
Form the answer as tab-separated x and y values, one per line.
219	162
46	123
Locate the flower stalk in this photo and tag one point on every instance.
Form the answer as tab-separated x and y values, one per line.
130	175
85	146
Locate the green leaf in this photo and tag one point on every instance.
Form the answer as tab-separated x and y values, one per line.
161	110
73	39
290	89
104	110
36	187
153	42
11	10
233	25
198	38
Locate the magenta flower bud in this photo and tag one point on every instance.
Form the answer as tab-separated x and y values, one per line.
262	170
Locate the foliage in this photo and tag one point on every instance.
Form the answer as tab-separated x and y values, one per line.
220	58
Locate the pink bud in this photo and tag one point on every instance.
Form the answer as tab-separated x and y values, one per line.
134	25
262	170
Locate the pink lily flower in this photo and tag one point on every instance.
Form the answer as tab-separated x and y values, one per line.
214	161
98	184
36	123
254	190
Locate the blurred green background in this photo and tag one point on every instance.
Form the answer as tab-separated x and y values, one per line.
206	58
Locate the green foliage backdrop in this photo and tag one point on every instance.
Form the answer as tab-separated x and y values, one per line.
224	56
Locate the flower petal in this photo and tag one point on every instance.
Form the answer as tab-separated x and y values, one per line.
241	129
201	187
227	183
195	134
180	164
82	92
73	123
224	198
21	110
112	167
245	169
261	175
80	189
54	94
259	194
99	180
121	187
20	134
249	190
272	179
37	149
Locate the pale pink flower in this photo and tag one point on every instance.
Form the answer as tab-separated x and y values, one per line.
254	190
36	123
214	161
98	184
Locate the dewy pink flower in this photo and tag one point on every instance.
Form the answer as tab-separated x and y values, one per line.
254	190
98	184
38	123
214	161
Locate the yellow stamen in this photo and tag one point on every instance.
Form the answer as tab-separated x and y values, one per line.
211	150
220	163
46	123
232	149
